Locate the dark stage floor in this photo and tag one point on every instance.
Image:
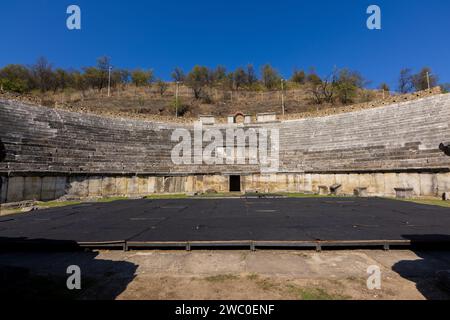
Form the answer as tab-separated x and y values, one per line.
213	220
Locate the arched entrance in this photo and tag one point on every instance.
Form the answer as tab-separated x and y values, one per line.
239	117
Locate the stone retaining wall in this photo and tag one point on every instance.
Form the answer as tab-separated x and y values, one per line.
19	188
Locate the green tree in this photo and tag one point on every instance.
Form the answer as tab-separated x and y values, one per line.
120	77
93	77
62	79
15	78
270	77
239	78
313	78
142	78
80	81
219	75
347	84
298	76
197	79
162	86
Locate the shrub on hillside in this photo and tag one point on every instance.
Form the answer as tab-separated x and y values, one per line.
180	108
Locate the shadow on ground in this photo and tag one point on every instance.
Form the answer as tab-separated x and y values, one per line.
31	273
426	273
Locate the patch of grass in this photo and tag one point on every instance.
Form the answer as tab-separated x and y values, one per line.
253	276
428	202
266	284
311	293
440	203
57	204
303	195
220	195
111	199
166	196
221	278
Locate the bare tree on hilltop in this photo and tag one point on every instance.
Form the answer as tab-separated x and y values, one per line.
405	84
43	74
178	75
424	79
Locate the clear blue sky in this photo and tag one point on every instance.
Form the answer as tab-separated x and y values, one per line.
164	34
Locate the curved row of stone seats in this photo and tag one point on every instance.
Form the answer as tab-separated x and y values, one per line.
397	137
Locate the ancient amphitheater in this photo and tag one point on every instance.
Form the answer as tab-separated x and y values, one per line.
48	153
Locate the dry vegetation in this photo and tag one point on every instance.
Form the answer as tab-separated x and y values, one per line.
203	90
146	103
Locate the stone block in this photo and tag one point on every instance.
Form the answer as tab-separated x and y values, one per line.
109	187
122	186
133	186
353	181
199	184
280	184
336	188
443	180
343	180
33	188
143	186
207	119
95	186
323	190
48	188
159	185
327	179
307	183
379	187
16	189
404	193
266	117
315	183
3	189
291	184
368	181
390	183
168	185
60	187
151	185
428	185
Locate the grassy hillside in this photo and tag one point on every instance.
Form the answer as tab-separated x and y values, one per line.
149	101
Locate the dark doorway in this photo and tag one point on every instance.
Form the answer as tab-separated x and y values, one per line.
2	151
235	183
